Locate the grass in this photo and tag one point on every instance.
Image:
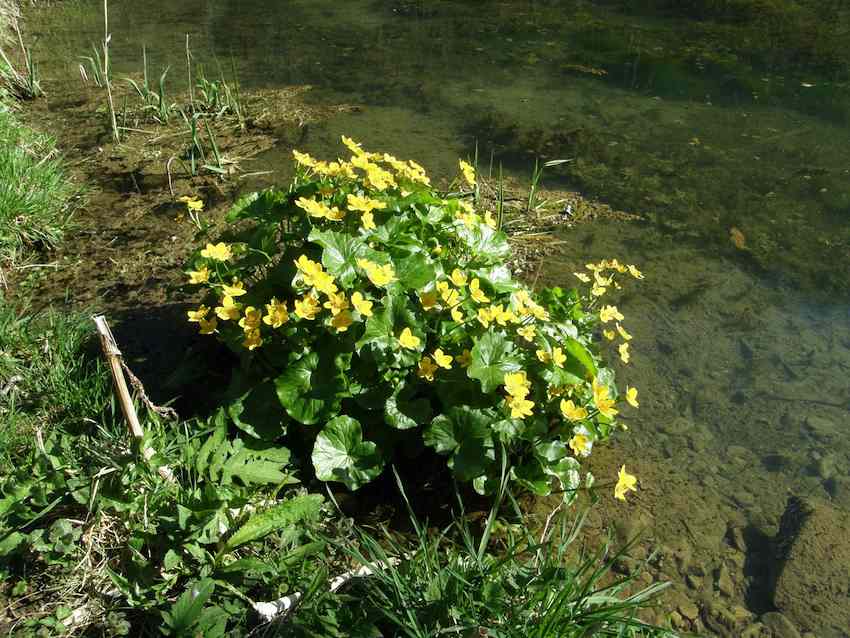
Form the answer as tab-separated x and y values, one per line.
503	578
35	194
46	381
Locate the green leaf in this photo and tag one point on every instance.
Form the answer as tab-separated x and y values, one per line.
464	434
187	610
577	352
213	442
414	272
488	245
258	413
287	514
492	358
340	254
309	389
10	543
341	454
257	464
383	328
404	413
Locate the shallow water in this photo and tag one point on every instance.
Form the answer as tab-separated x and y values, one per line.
700	122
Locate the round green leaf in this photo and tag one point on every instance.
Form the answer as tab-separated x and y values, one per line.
492	358
308	389
258	413
341	454
340	254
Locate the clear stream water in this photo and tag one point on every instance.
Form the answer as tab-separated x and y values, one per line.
700	120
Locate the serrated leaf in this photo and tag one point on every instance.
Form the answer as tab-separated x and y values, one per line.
341	454
492	358
213	442
257	465
280	516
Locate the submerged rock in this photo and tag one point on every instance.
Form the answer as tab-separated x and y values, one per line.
821	428
779	625
813	587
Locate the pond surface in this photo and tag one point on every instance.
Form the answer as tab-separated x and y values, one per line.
724	126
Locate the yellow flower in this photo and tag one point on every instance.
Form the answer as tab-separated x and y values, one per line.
307	307
353	146
208	326
477	294
609	334
581	443
361	305
609	313
364	204
234	289
582	277
342	320
468	172
634	272
378	275
303	158
335	214
428	299
195	316
485	316
517	384
309	269
490	220
470	220
336	303
571	411
631	397
324	282
276	313
625	335
527	333
458	278
595	267
251	320
252	339
201	276
229	310
408	340
457	315
367	221
624	352
312	207
378	178
464	359
442	359
193	204
625	482
426	369
558	357
543	356
219	252
520	407
603	402
500	315
597	290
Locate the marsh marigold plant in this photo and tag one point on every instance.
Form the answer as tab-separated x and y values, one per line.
369	309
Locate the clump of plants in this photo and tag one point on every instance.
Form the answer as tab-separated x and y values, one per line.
371	311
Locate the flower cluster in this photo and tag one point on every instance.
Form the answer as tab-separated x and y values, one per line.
380	303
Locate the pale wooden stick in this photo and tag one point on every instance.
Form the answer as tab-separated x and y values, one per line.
114	357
